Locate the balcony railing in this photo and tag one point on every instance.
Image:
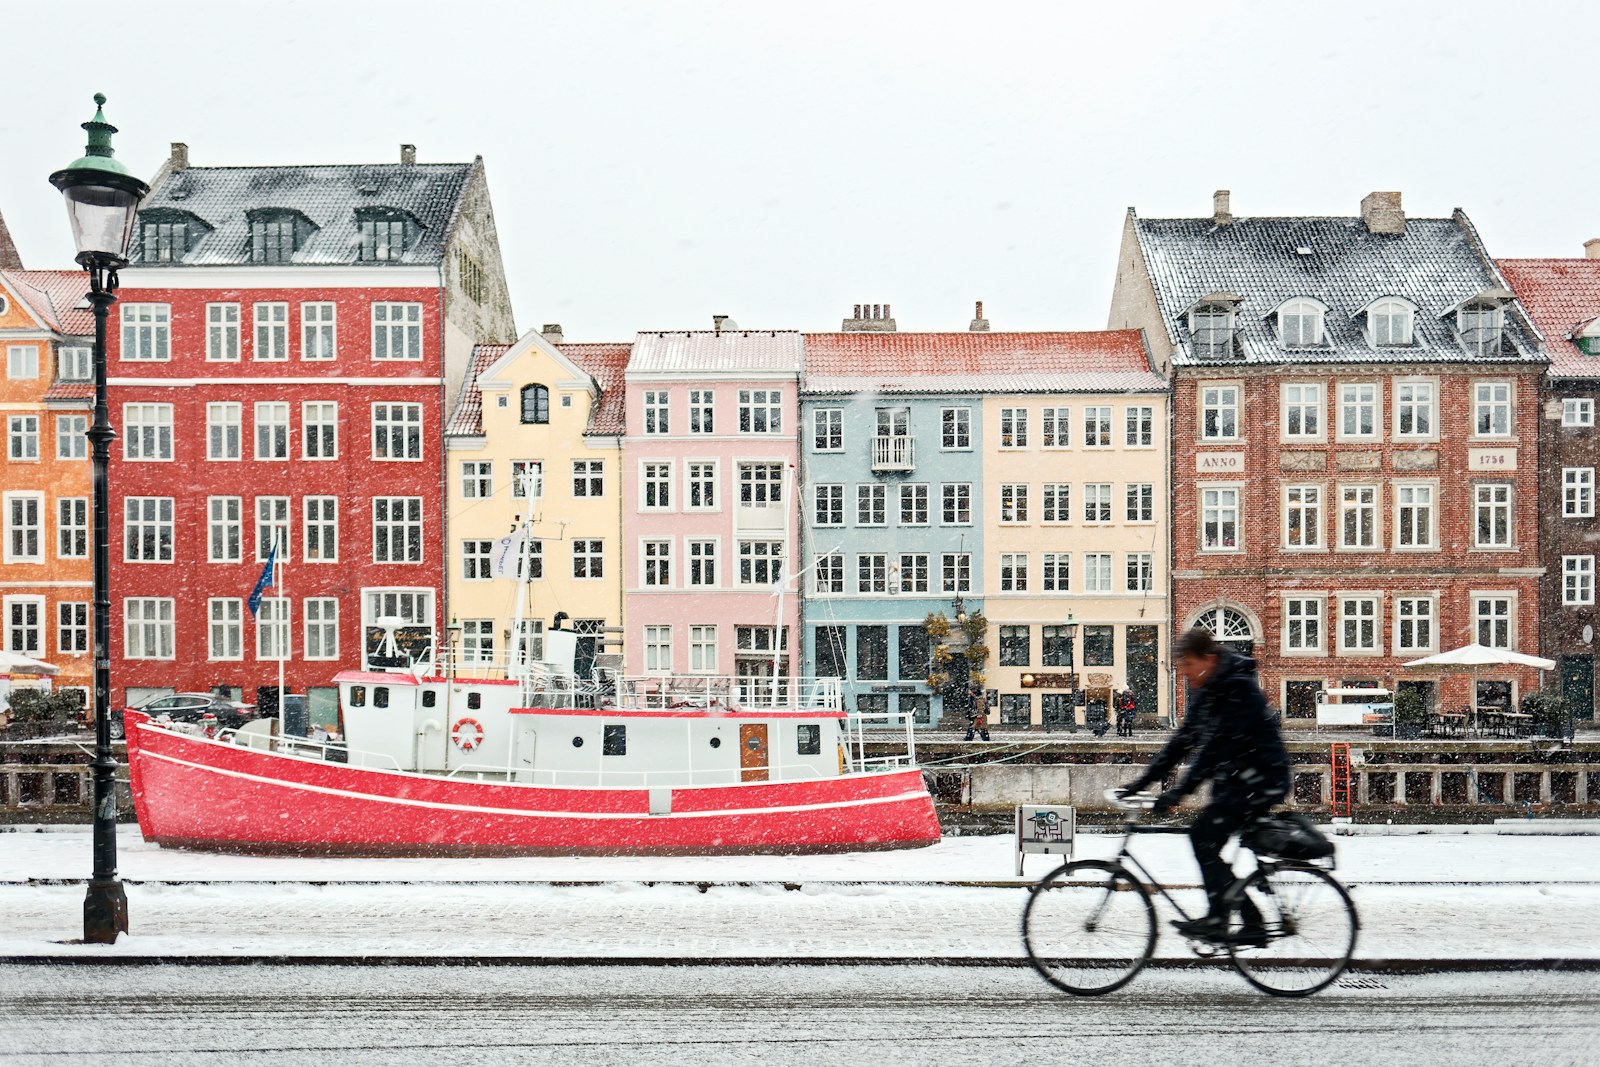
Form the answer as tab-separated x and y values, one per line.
893	453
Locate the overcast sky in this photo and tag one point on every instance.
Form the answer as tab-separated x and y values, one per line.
654	163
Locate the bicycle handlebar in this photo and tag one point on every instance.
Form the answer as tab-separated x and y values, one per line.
1127	801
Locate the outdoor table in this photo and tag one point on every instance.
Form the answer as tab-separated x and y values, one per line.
1517	723
1451	722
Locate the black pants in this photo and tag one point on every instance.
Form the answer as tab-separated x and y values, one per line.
1225	816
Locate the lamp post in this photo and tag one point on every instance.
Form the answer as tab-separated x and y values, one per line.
102	198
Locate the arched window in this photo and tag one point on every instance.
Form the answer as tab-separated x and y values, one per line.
535	404
1389	323
1230	627
1211	329
1300	324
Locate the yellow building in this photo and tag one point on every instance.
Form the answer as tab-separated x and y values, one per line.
535	439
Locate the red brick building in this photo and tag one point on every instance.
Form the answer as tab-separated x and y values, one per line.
1355	444
279	363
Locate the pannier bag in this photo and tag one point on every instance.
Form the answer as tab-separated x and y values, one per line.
1287	835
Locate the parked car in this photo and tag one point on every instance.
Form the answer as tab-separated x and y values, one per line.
191	707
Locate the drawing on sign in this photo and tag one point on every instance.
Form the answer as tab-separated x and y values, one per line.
1046	826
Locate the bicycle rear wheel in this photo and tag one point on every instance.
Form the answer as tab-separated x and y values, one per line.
1311	927
1089	927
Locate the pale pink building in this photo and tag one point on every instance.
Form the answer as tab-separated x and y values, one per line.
709	517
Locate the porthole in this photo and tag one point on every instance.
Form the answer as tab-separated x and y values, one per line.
577	742
754	744
716	742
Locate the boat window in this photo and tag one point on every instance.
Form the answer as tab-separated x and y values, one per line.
716	742
429	698
358	696
614	741
810	737
474	701
380	696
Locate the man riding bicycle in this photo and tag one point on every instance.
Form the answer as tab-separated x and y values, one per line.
1237	744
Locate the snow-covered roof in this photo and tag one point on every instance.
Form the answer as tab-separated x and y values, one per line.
57	298
762	353
605	363
1562	297
1089	361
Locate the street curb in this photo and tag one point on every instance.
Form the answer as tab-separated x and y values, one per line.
705	885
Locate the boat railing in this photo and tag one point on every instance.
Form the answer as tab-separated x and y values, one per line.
291	745
726	692
856	740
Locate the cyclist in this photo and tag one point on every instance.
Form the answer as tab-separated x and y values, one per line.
1237	744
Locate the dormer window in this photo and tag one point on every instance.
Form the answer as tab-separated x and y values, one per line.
1211	328
383	233
1587	338
276	235
1481	324
1300	324
1389	323
167	236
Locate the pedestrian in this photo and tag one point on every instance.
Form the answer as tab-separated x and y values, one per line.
1127	712
977	721
1099	717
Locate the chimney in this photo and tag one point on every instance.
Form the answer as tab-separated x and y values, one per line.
408	155
870	318
10	259
1382	213
1591	248
1220	213
717	321
552	332
979	323
179	159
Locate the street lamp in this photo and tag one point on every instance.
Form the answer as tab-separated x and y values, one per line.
102	199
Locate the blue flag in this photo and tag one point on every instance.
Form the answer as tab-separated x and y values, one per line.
268	577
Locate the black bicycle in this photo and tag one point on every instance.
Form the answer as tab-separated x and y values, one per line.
1090	925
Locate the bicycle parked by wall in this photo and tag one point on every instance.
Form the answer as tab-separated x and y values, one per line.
1090	925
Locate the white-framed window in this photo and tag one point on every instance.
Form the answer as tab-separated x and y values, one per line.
318	338
1211	331
397	529
322	529
588	479
24	515
147	627
22	362
760	483
703	563
1097	502
1389	323
658	648
529	560
272	527
1302	411
1219	412
477	557
1358	624
829	573
1492	618
74	363
827	430
1302	516
1014	502
828	509
1097	426
322	627
396	331
1013	427
1480	326
1300	324
529	641
872	573
72	437
1358	516
146	333
223	516
1414	525
702	411
22	437
1097	572
72	527
25	625
477	479
1491	409
656	409
955	503
1055	427
657	564
147	529
527	479
655	480
1577	411
272	333
274	616
225	629
477	640
760	562
1055	502
1140	425
397	432
222	334
955	428
760	411
955	572
1577	579
1416	410
872	504
702	487
72	627
1141	572
1219	518
1141	500
1302	624
1358	411
223	430
588	558
1055	572
1492	512
319	429
146	433
913	577
272	430
703	649
1013	572
1577	492
1414	624
914	504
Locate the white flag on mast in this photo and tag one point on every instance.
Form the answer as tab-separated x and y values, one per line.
507	550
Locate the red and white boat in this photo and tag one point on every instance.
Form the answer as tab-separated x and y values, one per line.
482	761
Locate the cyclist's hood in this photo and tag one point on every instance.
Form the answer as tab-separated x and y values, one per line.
1231	664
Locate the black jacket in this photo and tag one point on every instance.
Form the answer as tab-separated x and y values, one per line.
1235	738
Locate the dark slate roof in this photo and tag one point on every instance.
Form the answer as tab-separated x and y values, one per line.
1437	264
328	196
1562	296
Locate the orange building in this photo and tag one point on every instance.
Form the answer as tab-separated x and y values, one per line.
46	395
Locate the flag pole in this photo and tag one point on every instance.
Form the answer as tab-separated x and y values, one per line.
288	635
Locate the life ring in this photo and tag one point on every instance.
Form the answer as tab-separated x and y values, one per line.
467	734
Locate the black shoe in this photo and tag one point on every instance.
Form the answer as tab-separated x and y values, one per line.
1206	928
969	737
1250	935
986	737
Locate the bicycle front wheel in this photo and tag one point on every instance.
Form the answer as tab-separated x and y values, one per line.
1089	927
1309	927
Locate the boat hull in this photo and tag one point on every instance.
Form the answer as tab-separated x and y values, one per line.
191	792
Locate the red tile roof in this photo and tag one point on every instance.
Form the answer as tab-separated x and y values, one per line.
54	295
1077	361
606	363
1560	296
69	391
467	419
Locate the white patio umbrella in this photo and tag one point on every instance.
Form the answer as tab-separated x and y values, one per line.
17	663
1475	656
